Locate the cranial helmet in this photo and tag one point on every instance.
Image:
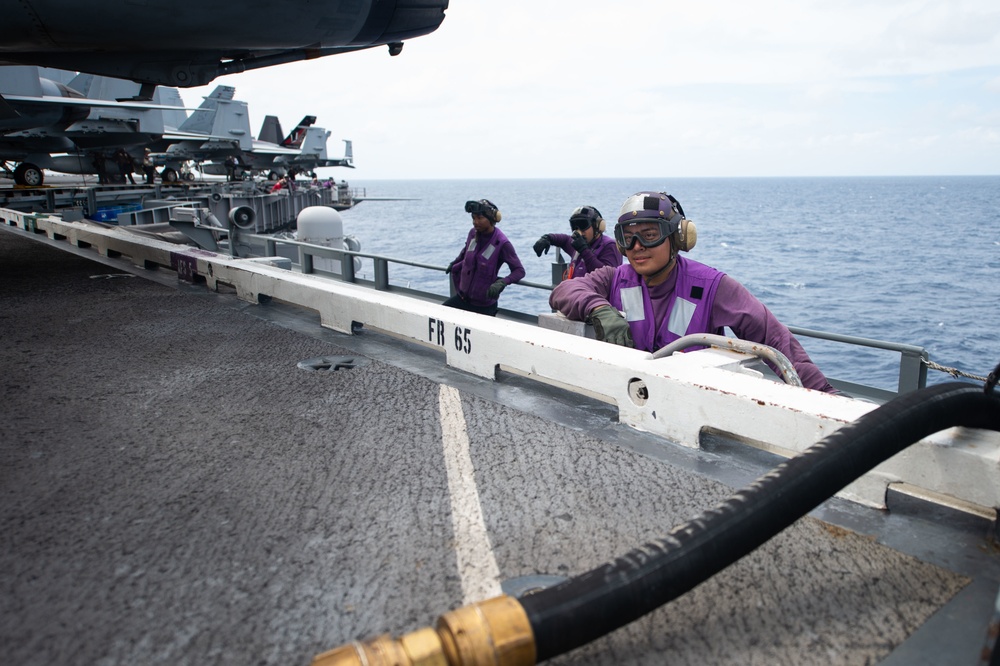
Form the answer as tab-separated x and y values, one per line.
585	216
484	207
661	208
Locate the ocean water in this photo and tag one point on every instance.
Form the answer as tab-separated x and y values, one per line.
901	259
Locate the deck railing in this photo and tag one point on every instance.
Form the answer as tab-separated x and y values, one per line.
912	359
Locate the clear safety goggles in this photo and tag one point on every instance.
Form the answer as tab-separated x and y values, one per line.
649	236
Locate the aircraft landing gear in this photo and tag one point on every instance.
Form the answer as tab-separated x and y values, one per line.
28	174
169	175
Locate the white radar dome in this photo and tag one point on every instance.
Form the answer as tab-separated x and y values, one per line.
319	225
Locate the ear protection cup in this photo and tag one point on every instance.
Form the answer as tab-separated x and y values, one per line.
495	217
601	226
687	235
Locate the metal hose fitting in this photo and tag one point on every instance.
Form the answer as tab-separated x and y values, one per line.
495	632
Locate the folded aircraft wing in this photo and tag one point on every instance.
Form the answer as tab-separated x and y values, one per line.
87	102
266	148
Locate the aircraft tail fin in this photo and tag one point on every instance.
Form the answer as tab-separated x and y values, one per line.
203	118
270	130
82	83
232	123
314	142
298	135
171	97
349	152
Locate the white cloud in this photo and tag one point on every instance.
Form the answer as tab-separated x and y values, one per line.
586	88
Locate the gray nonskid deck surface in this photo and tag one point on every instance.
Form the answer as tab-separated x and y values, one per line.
176	490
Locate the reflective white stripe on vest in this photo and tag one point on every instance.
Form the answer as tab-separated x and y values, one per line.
632	304
488	252
680	316
472	244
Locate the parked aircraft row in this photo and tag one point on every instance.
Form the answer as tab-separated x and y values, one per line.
67	122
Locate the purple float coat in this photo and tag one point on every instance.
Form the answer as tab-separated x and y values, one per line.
733	306
602	252
657	316
478	266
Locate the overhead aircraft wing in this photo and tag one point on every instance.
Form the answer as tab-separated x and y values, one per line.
189	44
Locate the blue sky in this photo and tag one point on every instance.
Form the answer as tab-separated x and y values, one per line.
576	89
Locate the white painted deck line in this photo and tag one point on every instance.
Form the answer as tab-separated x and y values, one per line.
476	564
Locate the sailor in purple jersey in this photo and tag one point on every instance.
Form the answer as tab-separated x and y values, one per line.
659	296
475	272
588	245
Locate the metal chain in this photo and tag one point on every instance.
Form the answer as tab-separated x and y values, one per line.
954	372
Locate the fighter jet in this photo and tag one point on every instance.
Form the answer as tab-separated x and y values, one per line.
81	121
302	151
312	155
219	128
44	112
190	44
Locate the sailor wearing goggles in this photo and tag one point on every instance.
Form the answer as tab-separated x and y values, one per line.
588	246
660	296
475	272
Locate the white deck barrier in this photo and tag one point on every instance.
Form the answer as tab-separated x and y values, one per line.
676	397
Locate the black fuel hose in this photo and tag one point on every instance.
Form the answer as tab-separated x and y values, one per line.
588	606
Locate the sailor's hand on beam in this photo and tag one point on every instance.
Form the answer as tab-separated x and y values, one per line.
610	326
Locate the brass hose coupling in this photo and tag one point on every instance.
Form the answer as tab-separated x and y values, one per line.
495	632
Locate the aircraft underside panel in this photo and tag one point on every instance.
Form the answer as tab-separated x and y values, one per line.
165	43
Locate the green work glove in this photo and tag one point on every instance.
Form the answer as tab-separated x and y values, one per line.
610	326
542	245
494	291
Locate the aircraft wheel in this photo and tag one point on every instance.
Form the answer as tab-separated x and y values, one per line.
28	174
189	176
169	175
272	175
